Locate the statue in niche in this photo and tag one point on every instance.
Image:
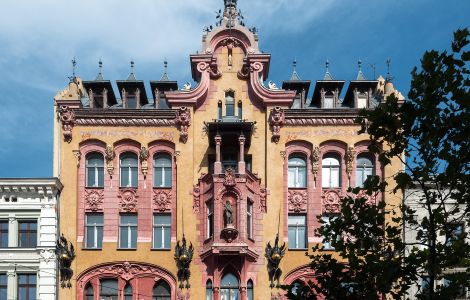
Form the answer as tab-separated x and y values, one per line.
228	213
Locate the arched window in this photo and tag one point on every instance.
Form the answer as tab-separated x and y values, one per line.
161	291
209	290
129	169
162	170
94	170
109	289
331	171
364	168
249	290
89	293
229	287
297	173
128	292
229	104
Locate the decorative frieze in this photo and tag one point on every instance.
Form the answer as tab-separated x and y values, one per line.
276	121
128	200
320	121
183	121
162	200
67	117
125	122
94	199
297	200
331	201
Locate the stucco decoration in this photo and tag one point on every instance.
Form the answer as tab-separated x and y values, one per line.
229	177
315	161
303	273
276	120
263	192
109	156
331	201
196	198
162	200
94	199
78	156
144	155
334	121
298	201
67	117
180	295
183	121
350	154
128	200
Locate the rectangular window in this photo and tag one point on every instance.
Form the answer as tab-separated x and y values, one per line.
326	220
249	220
27	234
94	231
3	286
128	232
162	231
297	231
210	220
3	234
131	101
456	233
328	102
26	286
95	176
362	101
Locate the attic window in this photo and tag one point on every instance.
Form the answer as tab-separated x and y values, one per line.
362	100
328	101
230	104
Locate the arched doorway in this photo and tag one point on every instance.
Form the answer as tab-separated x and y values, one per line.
229	287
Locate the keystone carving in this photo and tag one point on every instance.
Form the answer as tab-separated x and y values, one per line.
128	200
331	201
94	199
183	121
297	201
161	200
276	120
144	155
67	117
109	156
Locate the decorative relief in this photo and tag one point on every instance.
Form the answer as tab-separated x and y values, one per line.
67	117
109	156
263	192
331	201
196	198
276	120
126	271
144	155
161	200
183	121
94	199
128	121
78	156
320	121
229	178
128	200
298	201
350	153
315	160
370	200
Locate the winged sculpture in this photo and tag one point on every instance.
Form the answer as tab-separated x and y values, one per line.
183	258
274	256
65	255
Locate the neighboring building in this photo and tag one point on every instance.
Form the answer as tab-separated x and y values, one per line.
229	163
414	198
28	234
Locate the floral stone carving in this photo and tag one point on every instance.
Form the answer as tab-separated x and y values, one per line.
276	120
161	200
183	121
67	117
331	201
196	198
350	153
315	160
297	201
229	179
128	200
109	156
94	199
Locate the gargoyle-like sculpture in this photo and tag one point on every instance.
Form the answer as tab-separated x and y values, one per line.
65	255
274	256
183	258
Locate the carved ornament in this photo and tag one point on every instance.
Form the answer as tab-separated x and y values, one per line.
162	200
350	153
94	199
276	120
196	198
78	156
109	156
370	199
320	121
144	155
127	271
331	201
183	121
229	177
67	117
128	200
315	160
263	192
124	121
298	201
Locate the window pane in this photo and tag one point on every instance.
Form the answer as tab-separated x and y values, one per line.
302	179
158	237
296	220
124	237
334	177
3	234
94	219
99	236
325	177
100	177
134	237
328	102
162	219
91	176
359	178
125	176
128	219
134	176
361	101
109	287
291	237
90	237
167	238
230	110
301	237
167	173
291	177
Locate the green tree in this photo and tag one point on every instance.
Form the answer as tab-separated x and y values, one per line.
430	134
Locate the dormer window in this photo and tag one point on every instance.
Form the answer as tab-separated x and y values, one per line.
362	100
329	101
131	101
230	104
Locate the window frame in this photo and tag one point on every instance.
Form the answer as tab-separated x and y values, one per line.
331	167
291	166
296	227
249	219
102	295
229	102
164	170
129	169
4	284
327	219
29	233
97	170
96	228
28	285
362	169
166	286
128	227
3	232
210	219
162	227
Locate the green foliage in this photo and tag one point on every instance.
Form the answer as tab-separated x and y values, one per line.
430	134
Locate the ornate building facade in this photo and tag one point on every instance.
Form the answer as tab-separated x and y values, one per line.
227	165
28	234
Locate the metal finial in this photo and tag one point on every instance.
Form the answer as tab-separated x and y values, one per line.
389	62
359	64
294	64
374	67
327	64
165	64
132	66
100	65
74	64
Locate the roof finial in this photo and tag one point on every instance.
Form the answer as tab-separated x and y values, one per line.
389	77
74	64
132	75
327	73
165	73
295	76
359	64
100	69
294	64
360	75
327	64
132	66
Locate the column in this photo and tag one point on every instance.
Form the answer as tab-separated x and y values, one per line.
218	163
92	98
124	98
13	232
11	285
137	98
157	99
241	160
105	98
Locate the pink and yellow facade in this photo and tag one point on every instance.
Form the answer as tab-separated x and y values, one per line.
228	164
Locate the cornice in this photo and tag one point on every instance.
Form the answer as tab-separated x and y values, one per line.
122	117
309	117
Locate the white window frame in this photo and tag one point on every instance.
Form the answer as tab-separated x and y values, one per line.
161	226
331	167
249	219
327	219
95	169
129	168
95	227
128	227
210	220
296	169
164	169
297	226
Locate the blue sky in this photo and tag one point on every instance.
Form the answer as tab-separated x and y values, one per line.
38	39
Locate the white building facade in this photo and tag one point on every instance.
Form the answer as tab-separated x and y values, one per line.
28	234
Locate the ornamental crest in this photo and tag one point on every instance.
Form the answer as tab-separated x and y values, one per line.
229	179
94	199
276	120
161	200
350	153
183	120
297	201
315	160
128	200
67	117
196	198
331	201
